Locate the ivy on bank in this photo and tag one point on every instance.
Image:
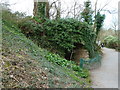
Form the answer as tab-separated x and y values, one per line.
65	33
62	34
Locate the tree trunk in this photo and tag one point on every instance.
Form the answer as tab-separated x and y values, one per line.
35	8
41	9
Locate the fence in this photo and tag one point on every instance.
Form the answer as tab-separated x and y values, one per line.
91	63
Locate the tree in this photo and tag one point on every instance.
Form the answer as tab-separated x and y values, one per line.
87	13
47	10
114	25
74	10
99	19
58	13
41	9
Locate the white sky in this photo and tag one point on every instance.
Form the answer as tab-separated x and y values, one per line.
27	7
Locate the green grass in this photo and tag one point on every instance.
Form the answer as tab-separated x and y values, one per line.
26	65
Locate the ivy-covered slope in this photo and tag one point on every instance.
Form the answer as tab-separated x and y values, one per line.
25	65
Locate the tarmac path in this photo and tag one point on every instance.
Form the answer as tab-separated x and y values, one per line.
106	76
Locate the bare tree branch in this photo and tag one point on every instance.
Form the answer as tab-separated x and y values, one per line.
104	6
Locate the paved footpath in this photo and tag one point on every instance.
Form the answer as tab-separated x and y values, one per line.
107	75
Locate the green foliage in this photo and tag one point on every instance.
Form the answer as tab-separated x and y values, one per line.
104	33
14	18
66	32
99	19
67	64
40	9
111	42
6	14
30	27
31	64
88	36
61	35
86	15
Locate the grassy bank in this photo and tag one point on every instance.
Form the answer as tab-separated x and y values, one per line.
25	65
